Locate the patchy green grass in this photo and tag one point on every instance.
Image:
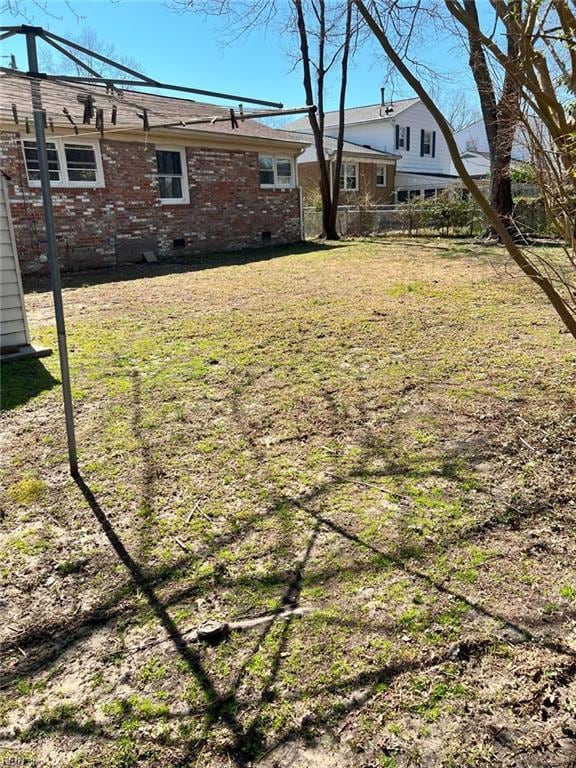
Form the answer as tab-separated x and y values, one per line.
377	434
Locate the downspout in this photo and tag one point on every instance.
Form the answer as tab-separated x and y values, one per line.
300	195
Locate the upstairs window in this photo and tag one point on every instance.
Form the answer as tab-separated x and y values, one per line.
471	145
348	177
380	175
276	171
70	164
427	142
403	138
172	183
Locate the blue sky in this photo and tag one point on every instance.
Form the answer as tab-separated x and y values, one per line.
187	49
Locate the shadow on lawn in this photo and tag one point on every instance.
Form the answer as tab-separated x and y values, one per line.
182	264
248	740
21	380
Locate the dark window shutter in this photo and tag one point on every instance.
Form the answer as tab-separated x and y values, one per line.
433	143
422	142
407	139
397	137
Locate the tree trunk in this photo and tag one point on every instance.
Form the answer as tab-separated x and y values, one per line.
529	268
501	192
499	119
331	231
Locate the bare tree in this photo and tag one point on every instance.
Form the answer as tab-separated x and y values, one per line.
457	107
29	10
500	113
88	38
325	36
543	43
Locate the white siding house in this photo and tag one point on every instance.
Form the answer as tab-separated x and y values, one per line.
473	145
405	128
14	332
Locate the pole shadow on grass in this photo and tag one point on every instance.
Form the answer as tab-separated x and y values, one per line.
22	380
247	741
218	708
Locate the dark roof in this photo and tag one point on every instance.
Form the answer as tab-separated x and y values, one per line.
350	147
58	95
358	114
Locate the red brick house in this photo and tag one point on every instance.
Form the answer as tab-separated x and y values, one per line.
123	190
367	175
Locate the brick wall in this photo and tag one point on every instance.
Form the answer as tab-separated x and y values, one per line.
95	227
368	192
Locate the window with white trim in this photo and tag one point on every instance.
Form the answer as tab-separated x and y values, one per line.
276	171
471	145
401	137
74	163
427	143
380	175
171	175
349	177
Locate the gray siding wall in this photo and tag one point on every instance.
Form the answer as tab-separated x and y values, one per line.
13	324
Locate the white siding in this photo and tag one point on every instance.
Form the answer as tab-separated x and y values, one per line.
13	324
381	134
417	118
473	137
477	165
378	134
308	156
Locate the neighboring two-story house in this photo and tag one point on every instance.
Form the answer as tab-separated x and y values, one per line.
405	129
472	142
366	174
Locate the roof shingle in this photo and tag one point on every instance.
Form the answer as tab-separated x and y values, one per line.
59	95
358	114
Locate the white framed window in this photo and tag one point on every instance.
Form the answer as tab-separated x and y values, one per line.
380	175
427	142
401	137
276	171
349	177
71	162
471	145
171	175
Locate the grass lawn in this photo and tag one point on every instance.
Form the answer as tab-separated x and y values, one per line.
362	456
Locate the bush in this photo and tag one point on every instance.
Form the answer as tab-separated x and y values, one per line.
523	174
446	214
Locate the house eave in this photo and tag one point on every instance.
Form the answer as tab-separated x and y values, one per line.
184	136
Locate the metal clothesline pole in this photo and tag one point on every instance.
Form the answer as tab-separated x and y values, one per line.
52	249
36	77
